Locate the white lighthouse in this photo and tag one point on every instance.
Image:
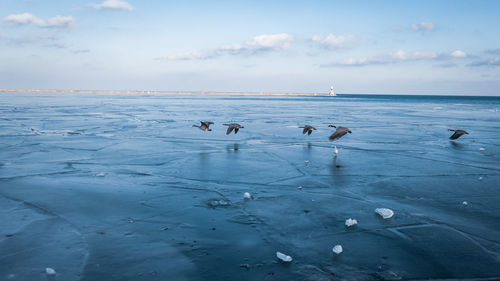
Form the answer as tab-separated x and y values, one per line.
332	93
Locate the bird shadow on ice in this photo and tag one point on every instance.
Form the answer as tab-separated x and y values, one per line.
457	145
233	147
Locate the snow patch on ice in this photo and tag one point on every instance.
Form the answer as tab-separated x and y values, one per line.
384	213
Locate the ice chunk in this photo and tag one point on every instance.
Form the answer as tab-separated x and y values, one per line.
465	203
481	148
299	187
283	257
350	222
384	213
100	175
480	178
337	249
247	195
335	150
50	271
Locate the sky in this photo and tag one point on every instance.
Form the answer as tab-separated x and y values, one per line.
358	47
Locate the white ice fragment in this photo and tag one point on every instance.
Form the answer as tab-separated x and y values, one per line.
306	161
100	175
481	148
350	222
480	178
283	257
50	271
384	213
247	195
337	249
299	187
465	203
335	150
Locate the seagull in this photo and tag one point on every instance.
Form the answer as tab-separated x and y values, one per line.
233	126
307	129
204	125
457	134
340	132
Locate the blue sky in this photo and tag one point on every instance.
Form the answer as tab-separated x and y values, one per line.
379	47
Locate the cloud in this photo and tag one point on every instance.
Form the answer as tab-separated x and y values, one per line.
490	62
114	4
493	51
458	54
332	41
399	56
261	43
29	19
423	26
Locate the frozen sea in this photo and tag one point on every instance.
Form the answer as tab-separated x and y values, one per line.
122	187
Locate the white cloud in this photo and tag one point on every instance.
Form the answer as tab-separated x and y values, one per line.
114	4
271	41
458	54
423	26
27	19
334	41
416	55
400	56
193	55
261	43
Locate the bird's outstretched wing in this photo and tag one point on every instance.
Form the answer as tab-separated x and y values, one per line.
340	132
309	132
456	135
236	130
305	130
229	129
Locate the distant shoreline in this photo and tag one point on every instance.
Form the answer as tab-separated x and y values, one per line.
162	92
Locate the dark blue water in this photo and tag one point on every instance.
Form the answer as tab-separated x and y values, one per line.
122	187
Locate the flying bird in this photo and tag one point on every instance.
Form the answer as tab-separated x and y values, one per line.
457	134
233	126
340	132
205	125
307	129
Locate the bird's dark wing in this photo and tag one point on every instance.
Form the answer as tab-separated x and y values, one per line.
236	130
456	135
229	130
305	130
309	132
206	123
341	131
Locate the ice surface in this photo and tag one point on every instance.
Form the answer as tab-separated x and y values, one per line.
350	222
283	257
337	249
170	206
384	213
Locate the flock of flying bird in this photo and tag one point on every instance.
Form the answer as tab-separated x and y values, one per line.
339	132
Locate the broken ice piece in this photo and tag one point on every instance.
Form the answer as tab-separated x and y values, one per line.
100	175
247	195
384	213
480	178
465	203
337	249
350	222
481	148
299	187
283	257
306	161
50	271
335	151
